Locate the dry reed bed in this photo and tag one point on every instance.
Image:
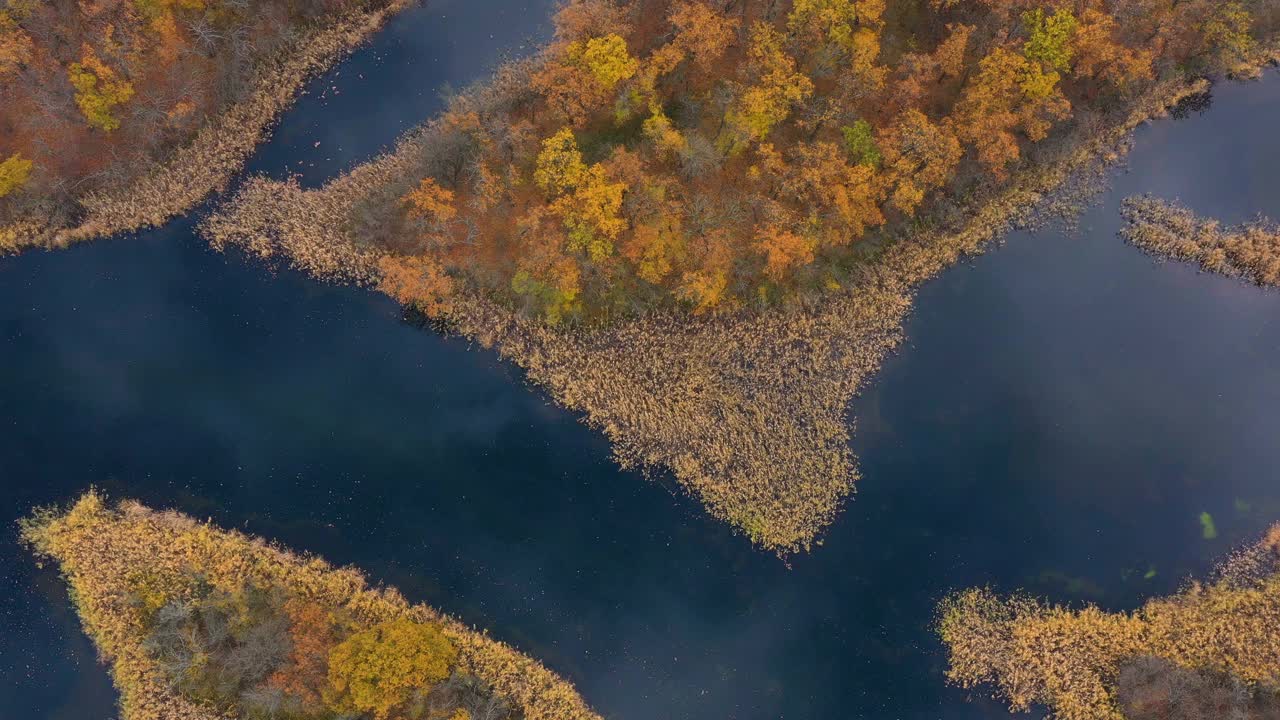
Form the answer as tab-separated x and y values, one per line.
747	410
101	549
218	150
1071	661
1250	250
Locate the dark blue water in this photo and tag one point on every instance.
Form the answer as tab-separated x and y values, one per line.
1065	410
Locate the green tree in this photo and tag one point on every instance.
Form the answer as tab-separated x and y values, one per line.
1049	38
377	670
860	143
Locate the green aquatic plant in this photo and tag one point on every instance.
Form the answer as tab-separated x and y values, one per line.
1207	527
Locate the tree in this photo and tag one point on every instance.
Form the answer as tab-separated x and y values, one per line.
1226	34
1049	38
418	280
605	59
14	172
312	635
559	166
919	157
860	143
98	90
703	32
768	101
1100	53
784	251
377	670
841	197
16	47
1009	93
583	196
950	52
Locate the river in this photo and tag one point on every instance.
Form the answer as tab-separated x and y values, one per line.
1064	411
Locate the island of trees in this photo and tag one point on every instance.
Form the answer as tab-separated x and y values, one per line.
116	114
701	221
1210	651
202	623
1250	250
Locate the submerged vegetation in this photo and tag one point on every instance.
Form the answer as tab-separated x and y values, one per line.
1250	250
203	623
1211	651
702	224
118	114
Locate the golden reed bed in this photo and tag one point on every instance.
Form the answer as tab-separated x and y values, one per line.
1089	665
101	548
1250	250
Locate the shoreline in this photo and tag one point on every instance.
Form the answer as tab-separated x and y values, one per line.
748	410
219	149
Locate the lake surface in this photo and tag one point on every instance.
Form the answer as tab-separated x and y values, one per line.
1064	411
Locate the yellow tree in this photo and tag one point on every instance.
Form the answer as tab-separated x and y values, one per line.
768	101
580	76
581	195
853	26
14	172
99	91
377	670
1010	93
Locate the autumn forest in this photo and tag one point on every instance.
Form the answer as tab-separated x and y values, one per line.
714	155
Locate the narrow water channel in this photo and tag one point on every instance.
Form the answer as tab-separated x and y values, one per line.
1064	411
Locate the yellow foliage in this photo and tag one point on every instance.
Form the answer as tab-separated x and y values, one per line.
98	90
14	172
379	669
779	86
605	59
560	167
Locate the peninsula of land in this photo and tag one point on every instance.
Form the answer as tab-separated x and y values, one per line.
121	114
201	623
1210	651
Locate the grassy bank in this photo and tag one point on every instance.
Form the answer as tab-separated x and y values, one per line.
128	568
173	184
1165	229
1210	651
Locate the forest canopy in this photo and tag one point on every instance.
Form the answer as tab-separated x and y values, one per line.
712	154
